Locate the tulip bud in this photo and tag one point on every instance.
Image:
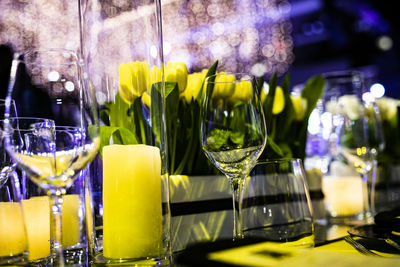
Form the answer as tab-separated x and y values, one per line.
224	85
279	101
193	86
177	72
243	91
264	92
300	106
132	80
155	75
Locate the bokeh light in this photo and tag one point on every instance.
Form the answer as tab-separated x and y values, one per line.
377	90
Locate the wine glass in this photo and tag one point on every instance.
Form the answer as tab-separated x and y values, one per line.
6	165
356	138
233	131
52	158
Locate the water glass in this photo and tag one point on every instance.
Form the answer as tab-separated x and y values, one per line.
276	204
13	240
40	231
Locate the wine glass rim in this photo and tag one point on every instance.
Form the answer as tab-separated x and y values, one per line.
61	51
248	76
29	118
9	119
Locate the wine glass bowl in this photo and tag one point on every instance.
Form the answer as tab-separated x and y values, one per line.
233	128
233	132
51	156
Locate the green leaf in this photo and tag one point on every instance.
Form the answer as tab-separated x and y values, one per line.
237	138
260	84
211	71
274	147
119	113
118	135
269	101
126	136
217	138
171	103
285	118
312	91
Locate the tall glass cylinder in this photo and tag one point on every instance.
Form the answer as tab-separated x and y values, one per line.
128	186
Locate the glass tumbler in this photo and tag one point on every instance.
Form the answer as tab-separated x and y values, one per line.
36	206
276	204
13	239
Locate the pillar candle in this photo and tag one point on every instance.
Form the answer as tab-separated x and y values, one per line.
132	207
343	195
70	234
70	220
12	230
37	222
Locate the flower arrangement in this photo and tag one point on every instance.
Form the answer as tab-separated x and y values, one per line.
390	117
127	117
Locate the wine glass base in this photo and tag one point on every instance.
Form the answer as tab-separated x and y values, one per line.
351	220
75	256
47	261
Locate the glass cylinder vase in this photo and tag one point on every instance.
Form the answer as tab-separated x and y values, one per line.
128	204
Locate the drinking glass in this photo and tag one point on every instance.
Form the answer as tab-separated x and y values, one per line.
355	138
13	239
233	131
276	203
51	158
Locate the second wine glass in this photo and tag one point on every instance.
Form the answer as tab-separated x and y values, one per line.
233	132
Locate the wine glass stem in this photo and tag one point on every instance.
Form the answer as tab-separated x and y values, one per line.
366	200
58	254
237	186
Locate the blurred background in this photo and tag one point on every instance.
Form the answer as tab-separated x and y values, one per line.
303	37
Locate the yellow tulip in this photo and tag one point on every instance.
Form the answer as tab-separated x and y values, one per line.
177	72
299	105
264	93
146	99
193	87
243	91
155	75
279	101
224	85
132	80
